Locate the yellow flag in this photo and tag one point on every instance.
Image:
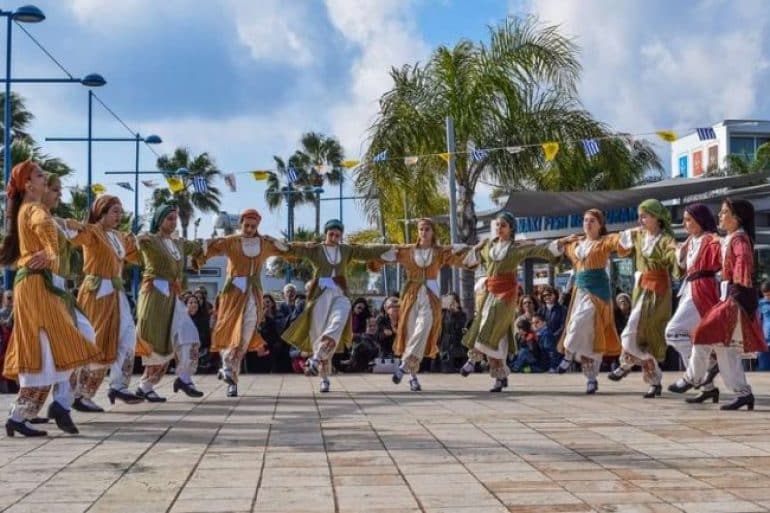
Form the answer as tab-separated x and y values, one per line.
175	184
550	149
667	135
260	174
349	163
444	157
410	161
98	188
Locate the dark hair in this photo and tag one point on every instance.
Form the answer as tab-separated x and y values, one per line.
744	211
547	289
765	287
524	324
456	297
599	216
535	304
538	316
10	251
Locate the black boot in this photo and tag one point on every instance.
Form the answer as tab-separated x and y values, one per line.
62	417
187	388
704	396
710	375
11	427
653	392
739	402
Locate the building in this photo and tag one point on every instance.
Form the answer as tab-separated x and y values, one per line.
691	155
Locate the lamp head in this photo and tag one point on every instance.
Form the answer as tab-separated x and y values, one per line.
153	139
93	80
183	171
28	14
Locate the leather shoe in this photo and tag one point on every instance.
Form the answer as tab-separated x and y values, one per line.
12	427
704	396
618	374
739	402
680	386
124	395
592	386
232	390
654	391
61	415
80	405
187	388
151	396
38	420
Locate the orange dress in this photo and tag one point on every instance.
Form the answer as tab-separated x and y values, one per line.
41	314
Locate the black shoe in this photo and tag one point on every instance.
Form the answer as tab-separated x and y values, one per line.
38	420
232	391
498	386
711	374
124	395
151	396
680	389
79	405
11	427
505	382
654	391
704	396
62	417
223	376
740	401
618	374
187	388
464	372
591	387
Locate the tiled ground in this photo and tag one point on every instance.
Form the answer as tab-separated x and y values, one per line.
370	446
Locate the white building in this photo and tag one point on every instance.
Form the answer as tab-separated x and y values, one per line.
691	156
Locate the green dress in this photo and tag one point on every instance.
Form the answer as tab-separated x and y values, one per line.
298	333
499	299
155	310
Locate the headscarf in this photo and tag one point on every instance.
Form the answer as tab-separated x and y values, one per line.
508	218
744	211
250	213
334	224
703	216
656	209
163	210
599	216
101	206
19	177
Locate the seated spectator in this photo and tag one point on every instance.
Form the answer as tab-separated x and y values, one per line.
552	312
271	329
764	313
387	324
6	325
527	308
528	354
291	306
550	357
622	311
452	353
364	350
359	316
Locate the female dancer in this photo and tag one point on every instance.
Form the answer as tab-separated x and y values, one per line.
47	341
643	339
417	334
325	321
590	326
240	303
104	300
491	333
732	326
700	257
164	329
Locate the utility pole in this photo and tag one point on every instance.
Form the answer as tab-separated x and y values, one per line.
451	170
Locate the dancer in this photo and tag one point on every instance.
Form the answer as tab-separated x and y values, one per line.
491	333
700	257
164	329
589	331
731	327
417	335
325	321
50	338
643	339
240	302
104	300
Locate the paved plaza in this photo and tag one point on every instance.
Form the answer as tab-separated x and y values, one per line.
370	446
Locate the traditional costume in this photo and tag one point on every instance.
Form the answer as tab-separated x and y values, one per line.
104	301
240	303
164	329
643	340
325	322
732	327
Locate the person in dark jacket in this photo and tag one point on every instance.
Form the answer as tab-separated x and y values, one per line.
550	358
552	311
271	329
387	324
764	314
452	353
359	315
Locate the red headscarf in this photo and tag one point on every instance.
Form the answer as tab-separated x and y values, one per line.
250	213
19	177
101	206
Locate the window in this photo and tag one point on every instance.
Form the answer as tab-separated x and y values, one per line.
743	146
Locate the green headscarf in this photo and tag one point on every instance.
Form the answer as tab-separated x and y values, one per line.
161	212
508	218
656	209
334	224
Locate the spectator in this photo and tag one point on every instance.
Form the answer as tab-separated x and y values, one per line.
387	324
6	325
527	308
201	321
291	306
552	312
271	329
365	348
202	295
6	310
622	311
527	356
547	342
453	321
764	312
360	315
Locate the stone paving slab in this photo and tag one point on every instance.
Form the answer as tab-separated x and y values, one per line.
541	446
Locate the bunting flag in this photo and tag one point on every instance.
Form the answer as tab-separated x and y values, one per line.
98	188
260	175
125	185
513	150
381	156
200	186
667	135
479	155
150	184
410	161
444	156
550	149
347	164
230	181
291	173
704	134
175	184
590	147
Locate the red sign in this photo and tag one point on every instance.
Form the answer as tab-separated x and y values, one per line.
697	163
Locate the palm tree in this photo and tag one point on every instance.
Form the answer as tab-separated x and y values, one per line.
188	199
319	150
744	164
517	89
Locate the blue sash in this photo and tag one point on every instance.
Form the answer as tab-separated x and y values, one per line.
594	281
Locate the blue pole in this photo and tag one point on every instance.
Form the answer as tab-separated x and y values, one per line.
135	273
341	219
89	192
7	275
290	228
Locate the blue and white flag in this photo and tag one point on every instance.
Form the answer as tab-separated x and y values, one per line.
291	174
381	156
704	134
125	185
479	155
200	185
590	147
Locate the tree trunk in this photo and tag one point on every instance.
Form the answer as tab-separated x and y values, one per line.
468	235
184	220
317	205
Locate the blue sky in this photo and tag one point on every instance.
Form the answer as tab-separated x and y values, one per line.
243	79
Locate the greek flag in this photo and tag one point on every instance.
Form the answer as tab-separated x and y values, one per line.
199	184
479	155
381	157
590	147
704	134
291	173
